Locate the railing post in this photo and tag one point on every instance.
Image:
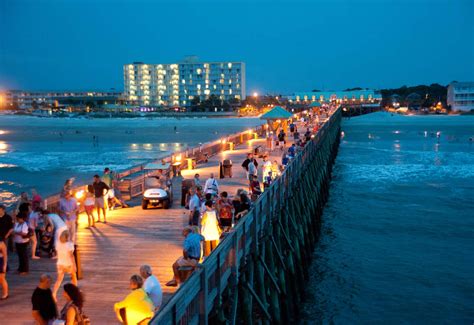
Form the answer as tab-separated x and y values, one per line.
203	312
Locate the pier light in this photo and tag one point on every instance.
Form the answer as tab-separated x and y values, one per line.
2	132
249	131
178	158
79	194
255	94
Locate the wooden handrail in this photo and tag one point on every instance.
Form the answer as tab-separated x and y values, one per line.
198	290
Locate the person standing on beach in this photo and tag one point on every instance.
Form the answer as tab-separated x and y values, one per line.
100	195
68	211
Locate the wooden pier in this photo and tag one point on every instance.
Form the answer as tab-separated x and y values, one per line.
258	272
112	252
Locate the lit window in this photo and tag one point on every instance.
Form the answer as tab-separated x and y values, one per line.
198	86
183	81
229	65
198	71
230	91
215	87
230	81
207	92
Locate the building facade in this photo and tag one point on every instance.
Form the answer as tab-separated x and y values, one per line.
461	96
21	99
178	84
350	96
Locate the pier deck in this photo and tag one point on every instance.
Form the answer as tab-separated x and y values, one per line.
112	252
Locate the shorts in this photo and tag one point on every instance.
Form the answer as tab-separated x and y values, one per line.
186	262
2	260
89	208
64	268
100	202
110	194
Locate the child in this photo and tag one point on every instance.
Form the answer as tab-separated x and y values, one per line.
89	204
268	180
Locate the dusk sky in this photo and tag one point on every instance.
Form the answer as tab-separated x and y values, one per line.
287	45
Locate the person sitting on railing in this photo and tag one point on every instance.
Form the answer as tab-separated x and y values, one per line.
191	254
152	286
137	307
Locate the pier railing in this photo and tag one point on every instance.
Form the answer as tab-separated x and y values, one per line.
132	180
203	291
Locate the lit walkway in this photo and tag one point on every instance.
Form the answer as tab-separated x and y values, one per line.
112	252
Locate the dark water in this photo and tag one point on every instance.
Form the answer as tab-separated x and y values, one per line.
397	242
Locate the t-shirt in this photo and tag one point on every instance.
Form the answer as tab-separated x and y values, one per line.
252	169
42	300
64	250
192	245
33	220
99	189
6	223
138	306
194	203
107	179
23	228
67	206
57	221
153	289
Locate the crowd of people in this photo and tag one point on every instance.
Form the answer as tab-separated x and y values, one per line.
34	231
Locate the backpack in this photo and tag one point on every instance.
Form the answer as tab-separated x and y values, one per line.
225	212
81	318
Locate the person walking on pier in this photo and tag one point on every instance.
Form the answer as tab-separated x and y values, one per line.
68	211
224	209
210	228
21	239
191	254
211	185
100	192
194	205
152	286
3	269
66	262
89	204
44	307
72	310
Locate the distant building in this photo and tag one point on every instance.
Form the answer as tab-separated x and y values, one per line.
178	84
355	96
461	96
36	99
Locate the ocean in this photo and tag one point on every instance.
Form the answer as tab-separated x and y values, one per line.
42	153
397	235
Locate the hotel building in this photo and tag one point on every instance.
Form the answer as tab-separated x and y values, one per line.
461	96
28	99
177	84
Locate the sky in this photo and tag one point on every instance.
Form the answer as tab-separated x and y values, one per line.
287	45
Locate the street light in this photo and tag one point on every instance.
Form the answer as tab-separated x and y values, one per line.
255	94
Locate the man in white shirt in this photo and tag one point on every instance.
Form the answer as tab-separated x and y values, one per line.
211	185
151	286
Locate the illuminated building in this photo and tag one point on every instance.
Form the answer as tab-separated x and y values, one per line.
177	84
461	96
